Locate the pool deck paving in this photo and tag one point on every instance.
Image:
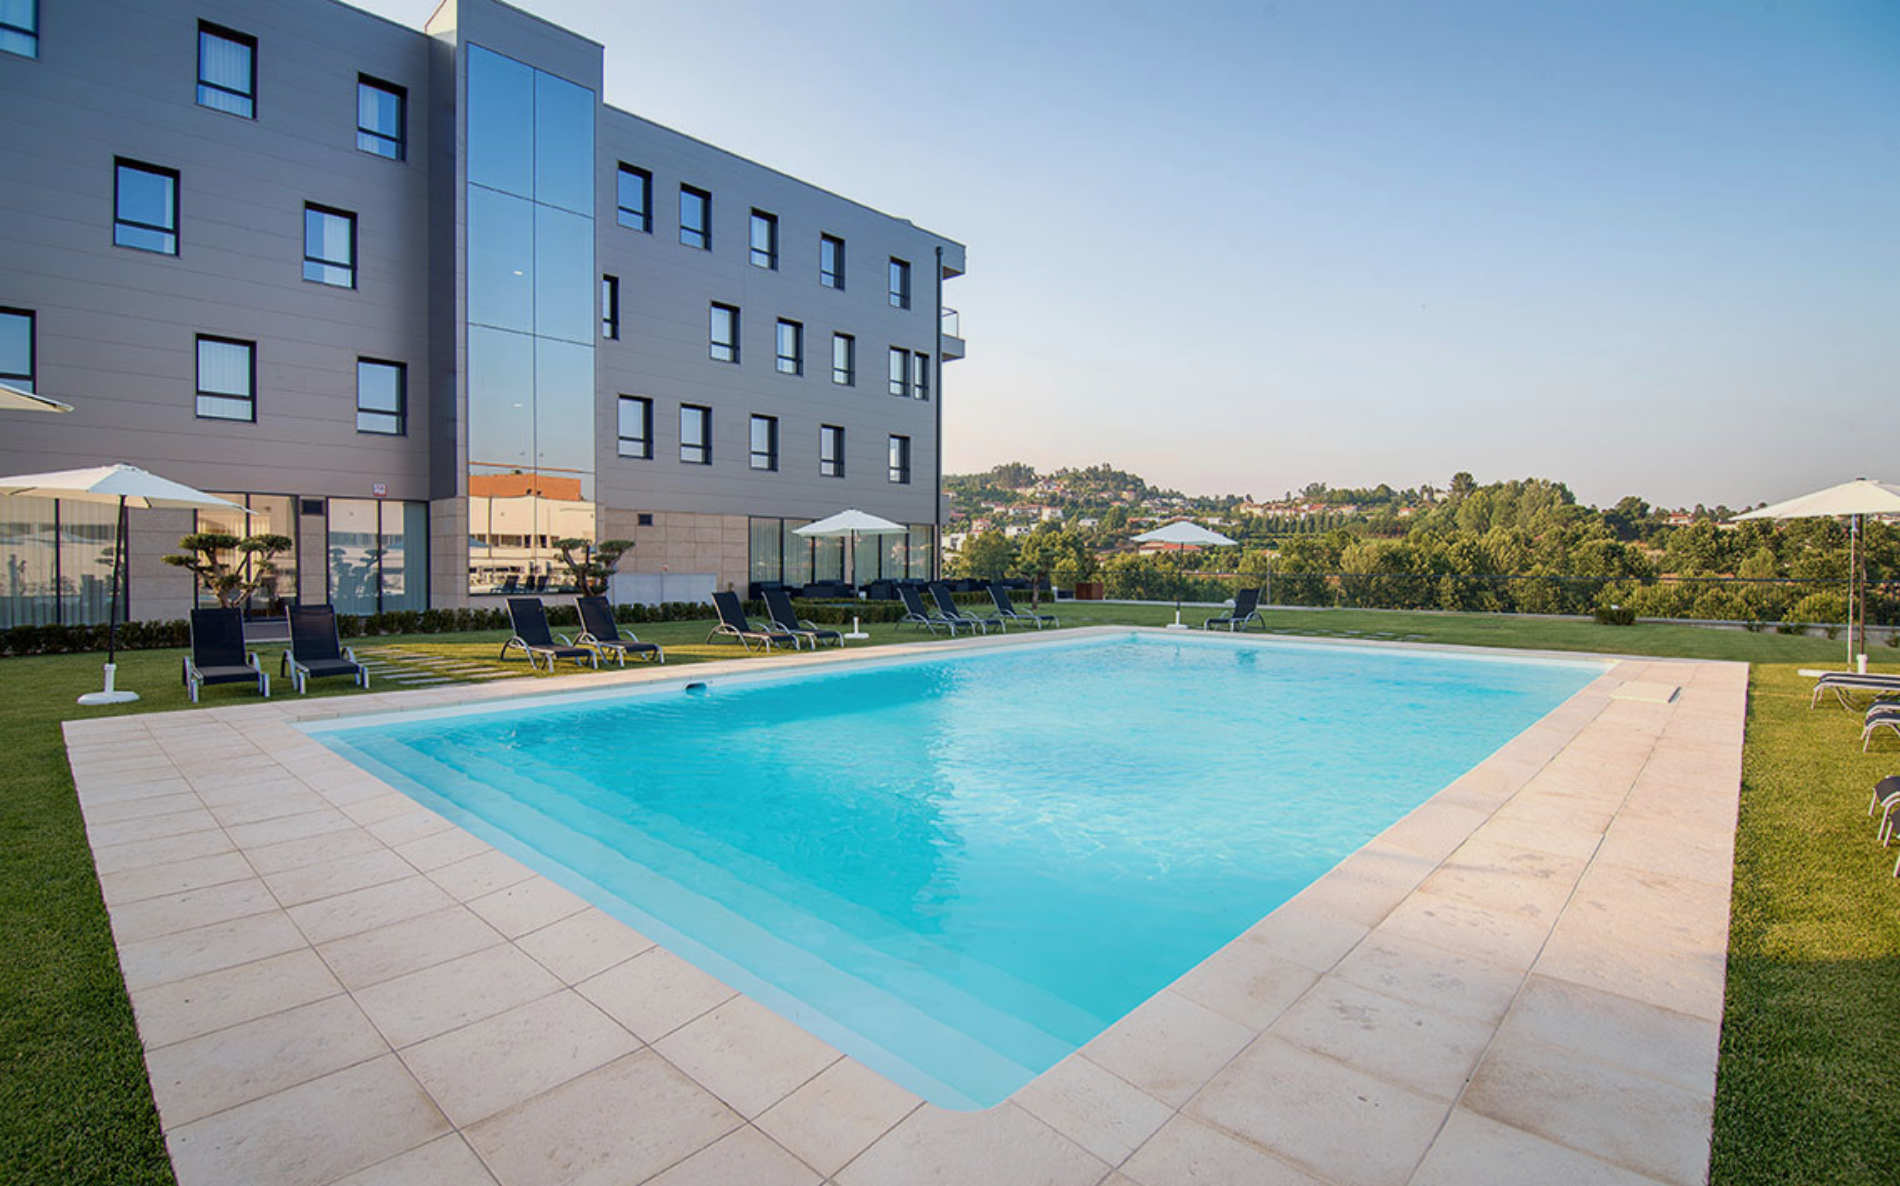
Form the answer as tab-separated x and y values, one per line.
1521	981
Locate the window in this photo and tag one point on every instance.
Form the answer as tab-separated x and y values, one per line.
695	218
382	397
900	460
329	246
764	240
900	283
636	426
145	207
830	451
227	70
844	360
900	371
20	27
382	118
610	307
636	198
227	379
695	434
920	375
791	347
725	333
16	341
765	442
831	261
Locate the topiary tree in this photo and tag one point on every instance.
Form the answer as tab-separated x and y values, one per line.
228	567
590	563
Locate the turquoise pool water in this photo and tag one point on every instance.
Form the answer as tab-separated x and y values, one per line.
960	869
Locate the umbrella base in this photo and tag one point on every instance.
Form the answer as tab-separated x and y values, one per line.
1177	626
111	695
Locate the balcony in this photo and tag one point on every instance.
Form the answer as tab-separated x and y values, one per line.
952	334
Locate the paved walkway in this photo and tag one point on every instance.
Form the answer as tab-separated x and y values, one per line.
1519	982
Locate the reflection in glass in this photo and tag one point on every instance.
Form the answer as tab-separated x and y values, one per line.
145	208
921	550
563	144
227	71
226	379
636	426
765	442
796	550
635	198
380	117
500	398
354	556
725	334
564	409
896	556
381	397
405	555
827	560
695	434
16	350
791	348
501	260
864	559
563	275
762	542
86	532
695	218
500	123
831	261
329	246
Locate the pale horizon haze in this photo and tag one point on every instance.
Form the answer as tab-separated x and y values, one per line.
1640	248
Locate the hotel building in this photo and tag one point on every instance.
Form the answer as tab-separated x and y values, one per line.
425	305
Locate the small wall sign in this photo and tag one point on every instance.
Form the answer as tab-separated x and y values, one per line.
379	489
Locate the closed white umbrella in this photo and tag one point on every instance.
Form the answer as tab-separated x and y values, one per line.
1181	533
128	486
1849	500
13	399
851	524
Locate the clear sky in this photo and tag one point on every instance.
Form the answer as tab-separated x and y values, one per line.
1642	246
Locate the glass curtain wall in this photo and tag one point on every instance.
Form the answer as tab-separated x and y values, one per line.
531	321
271	514
379	555
778	553
58	561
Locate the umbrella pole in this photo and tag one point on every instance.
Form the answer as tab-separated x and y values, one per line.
111	694
1853	541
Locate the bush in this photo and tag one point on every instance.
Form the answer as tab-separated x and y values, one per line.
1615	615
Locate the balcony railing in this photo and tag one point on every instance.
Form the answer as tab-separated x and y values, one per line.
952	322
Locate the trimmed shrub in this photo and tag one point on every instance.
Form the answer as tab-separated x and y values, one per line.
1615	615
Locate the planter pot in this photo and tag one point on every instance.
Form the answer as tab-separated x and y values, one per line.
1088	590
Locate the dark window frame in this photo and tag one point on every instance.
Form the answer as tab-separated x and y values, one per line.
766	462
763	257
246	40
900	283
32	33
714	344
832	435
635	219
610	307
348	216
703	450
794	363
897	372
701	236
401	414
119	165
400	141
642	443
25	381
847	376
920	376
831	277
197	366
899	459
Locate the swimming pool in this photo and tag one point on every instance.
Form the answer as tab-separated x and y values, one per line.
959	868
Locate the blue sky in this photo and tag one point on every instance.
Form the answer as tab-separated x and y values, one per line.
1645	247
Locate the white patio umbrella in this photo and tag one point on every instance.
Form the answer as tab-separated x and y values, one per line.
128	486
1181	533
1849	500
851	524
13	399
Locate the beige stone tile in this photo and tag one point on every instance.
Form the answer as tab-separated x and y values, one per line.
527	906
441	847
937	1147
1476	1151
95	794
495	1063
1188	1153
1104	1114
150	827
100	815
1487	933
186	1008
277	804
437	999
313	850
1525	882
197	1077
746	1054
308	883
1435	977
1672	1047
1247	982
1611	1113
158	881
1574	843
1544	811
400	948
445	1161
1430	1052
401	829
377	808
1318	1113
1654	846
184	954
366	909
1689	983
290	827
163	850
1434	829
747	1156
479	875
1169	1046
583	945
1365	886
151	917
292	1138
1653	909
837	1115
1307	935
621	1123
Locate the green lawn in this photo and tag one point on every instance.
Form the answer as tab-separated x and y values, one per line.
1809	1048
